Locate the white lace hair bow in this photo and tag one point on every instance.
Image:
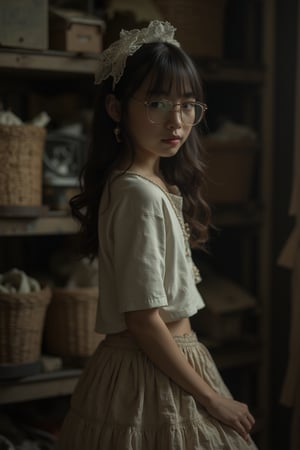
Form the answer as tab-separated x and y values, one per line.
112	61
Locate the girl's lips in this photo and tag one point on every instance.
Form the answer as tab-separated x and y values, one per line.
172	141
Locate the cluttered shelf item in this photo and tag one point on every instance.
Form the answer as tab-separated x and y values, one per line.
23	306
21	146
45	328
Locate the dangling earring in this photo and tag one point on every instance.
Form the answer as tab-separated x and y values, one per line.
117	133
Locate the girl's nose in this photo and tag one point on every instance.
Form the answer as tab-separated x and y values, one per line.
174	118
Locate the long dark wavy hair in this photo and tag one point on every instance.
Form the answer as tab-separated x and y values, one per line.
165	64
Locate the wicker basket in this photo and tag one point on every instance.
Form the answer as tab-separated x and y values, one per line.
70	322
21	326
199	23
21	150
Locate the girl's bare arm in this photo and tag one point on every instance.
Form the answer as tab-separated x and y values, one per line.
156	341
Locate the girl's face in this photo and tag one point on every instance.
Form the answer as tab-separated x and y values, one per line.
163	138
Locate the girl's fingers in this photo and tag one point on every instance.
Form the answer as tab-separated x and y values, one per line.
248	422
247	439
241	429
250	418
245	425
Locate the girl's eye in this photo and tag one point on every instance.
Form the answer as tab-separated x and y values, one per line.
158	104
188	106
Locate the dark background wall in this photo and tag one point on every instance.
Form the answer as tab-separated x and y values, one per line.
284	105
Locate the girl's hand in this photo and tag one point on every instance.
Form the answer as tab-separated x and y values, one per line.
231	413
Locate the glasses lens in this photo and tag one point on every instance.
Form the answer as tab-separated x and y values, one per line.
191	113
158	111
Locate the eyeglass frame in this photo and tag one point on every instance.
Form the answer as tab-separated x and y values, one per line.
147	103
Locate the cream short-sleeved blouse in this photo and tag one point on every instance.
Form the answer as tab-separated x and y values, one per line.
143	261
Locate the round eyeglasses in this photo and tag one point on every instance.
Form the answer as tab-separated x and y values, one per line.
191	113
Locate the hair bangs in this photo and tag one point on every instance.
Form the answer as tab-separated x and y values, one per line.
171	70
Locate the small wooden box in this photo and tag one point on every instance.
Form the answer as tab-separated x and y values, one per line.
24	23
75	31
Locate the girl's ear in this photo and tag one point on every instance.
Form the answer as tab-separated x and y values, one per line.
113	107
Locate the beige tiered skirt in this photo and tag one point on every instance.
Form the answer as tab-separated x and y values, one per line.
123	402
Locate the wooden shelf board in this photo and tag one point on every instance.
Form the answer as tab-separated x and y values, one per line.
48	225
48	61
46	385
75	63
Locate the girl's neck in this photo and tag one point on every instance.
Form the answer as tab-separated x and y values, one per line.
148	168
153	175
145	171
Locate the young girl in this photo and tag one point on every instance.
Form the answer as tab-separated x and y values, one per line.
150	384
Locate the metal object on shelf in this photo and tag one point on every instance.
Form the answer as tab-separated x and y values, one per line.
62	161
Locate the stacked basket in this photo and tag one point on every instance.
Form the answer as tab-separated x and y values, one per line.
70	322
21	149
21	326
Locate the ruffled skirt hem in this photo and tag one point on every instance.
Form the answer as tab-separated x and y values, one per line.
123	402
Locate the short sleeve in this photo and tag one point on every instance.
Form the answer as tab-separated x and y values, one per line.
139	247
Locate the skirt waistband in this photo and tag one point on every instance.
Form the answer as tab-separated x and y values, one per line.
128	342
